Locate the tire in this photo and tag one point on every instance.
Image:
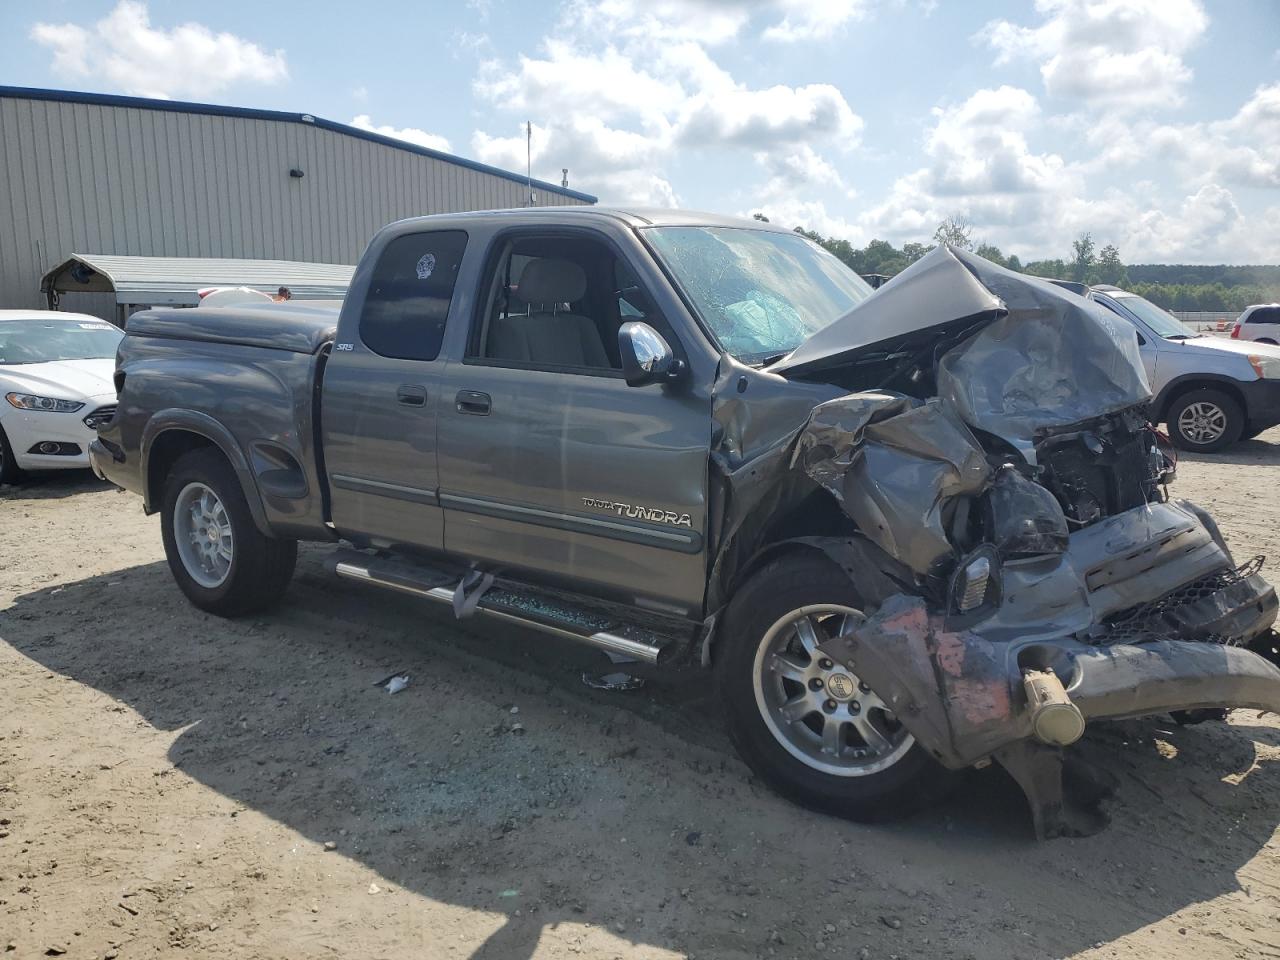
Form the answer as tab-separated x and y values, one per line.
861	789
10	472
248	574
1265	340
1204	420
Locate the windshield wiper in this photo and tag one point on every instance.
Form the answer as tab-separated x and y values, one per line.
1183	336
771	358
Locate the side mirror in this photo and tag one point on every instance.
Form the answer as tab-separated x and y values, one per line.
646	356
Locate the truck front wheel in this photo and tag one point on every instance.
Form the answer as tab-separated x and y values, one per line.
216	554
807	726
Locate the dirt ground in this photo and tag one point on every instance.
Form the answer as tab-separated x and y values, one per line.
173	782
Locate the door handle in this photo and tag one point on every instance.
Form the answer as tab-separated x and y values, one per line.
473	402
412	395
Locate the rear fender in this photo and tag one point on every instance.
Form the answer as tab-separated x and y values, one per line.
202	425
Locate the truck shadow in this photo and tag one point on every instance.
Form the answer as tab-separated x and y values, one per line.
52	485
622	810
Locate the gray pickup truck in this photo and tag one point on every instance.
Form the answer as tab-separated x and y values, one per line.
910	530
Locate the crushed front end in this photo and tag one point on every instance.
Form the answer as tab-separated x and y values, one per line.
1014	473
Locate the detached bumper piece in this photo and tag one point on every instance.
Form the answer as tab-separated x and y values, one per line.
966	698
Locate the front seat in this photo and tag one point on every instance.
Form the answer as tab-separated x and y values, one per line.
549	335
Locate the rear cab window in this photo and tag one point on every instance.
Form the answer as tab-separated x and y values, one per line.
407	305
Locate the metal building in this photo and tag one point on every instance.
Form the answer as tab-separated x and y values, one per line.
99	174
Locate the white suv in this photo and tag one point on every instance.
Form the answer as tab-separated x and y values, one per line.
1260	322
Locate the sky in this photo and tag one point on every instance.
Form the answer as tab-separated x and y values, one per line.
1152	124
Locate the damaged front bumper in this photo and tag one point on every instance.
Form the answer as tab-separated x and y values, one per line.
968	694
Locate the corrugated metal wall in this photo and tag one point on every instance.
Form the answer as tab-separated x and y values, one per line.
93	178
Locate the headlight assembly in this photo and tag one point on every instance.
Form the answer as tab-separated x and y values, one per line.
29	401
1267	368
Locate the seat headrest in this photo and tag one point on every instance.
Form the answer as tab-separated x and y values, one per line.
552	281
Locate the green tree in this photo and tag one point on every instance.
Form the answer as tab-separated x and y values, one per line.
1084	258
1054	269
911	252
991	252
1109	269
956	231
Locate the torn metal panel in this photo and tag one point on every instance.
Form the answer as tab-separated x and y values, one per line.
894	464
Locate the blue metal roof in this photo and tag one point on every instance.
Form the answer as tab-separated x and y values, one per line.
250	113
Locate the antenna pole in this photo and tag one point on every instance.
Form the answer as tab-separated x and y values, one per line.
528	156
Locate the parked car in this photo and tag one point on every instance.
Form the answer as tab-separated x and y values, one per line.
1260	323
1209	391
911	529
55	380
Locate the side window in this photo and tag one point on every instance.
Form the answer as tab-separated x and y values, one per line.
408	302
1104	302
1266	315
556	303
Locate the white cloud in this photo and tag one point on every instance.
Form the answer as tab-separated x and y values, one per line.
126	51
806	20
617	165
773	116
1243	150
1117	54
623	90
979	165
422	138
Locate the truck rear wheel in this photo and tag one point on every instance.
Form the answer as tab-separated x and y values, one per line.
219	558
809	727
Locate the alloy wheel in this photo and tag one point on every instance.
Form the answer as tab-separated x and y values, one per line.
818	710
1202	422
203	534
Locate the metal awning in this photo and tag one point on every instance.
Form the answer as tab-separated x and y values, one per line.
148	281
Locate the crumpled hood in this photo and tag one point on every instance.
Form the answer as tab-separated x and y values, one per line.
63	379
933	292
1035	356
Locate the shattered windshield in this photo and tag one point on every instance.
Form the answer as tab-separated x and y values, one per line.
761	293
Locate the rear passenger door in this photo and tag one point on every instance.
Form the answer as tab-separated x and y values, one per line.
381	396
549	462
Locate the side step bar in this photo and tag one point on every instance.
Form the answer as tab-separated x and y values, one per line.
547	615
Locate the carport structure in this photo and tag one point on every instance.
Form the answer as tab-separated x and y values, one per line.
176	281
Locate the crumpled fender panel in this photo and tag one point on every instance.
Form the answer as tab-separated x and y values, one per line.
894	464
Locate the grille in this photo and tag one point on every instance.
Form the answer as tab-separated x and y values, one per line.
100	417
1159	618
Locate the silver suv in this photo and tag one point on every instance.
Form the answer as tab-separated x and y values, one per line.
1209	391
1260	323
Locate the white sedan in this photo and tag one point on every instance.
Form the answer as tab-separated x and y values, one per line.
55	388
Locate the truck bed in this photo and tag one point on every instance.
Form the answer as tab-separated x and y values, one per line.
295	327
249	381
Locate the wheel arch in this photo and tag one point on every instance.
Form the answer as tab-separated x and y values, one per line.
875	574
1196	381
171	434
